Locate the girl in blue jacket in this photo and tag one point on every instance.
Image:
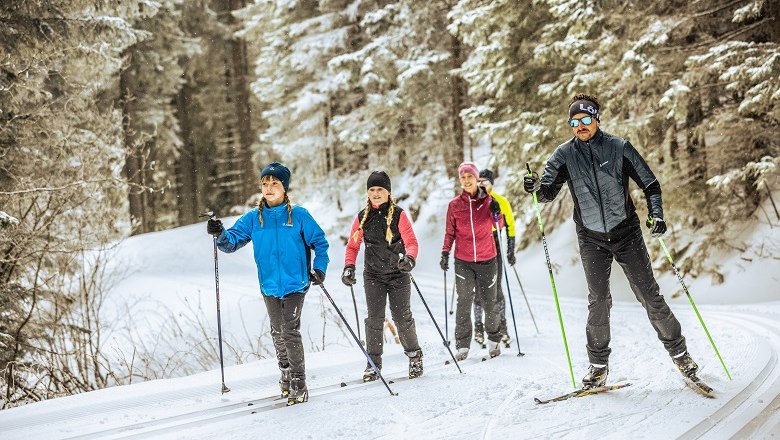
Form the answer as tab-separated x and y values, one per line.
283	236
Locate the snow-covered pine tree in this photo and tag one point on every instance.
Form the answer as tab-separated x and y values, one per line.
296	39
61	149
692	85
148	84
395	89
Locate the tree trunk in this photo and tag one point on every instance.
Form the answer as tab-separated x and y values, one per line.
186	171
243	173
454	151
133	169
695	148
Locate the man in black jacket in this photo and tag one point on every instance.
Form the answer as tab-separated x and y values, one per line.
597	167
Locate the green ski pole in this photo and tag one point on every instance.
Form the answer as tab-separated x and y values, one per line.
690	299
552	279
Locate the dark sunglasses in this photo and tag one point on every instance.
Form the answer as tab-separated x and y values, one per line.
586	120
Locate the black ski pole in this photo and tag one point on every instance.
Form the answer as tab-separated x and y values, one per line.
225	389
352	332
357	320
452	302
446	344
446	329
508	291
526	299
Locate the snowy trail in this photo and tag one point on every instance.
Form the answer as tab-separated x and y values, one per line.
492	399
753	412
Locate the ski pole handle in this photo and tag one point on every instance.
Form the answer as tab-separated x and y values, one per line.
210	214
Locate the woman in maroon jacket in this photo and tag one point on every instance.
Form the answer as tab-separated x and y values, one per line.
391	251
470	220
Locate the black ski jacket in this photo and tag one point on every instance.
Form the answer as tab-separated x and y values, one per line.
597	172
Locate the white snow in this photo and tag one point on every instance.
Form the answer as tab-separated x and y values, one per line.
492	399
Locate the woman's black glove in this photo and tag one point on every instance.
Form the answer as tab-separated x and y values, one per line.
348	276
406	264
445	261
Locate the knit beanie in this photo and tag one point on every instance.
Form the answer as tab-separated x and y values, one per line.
379	178
279	171
487	174
468	167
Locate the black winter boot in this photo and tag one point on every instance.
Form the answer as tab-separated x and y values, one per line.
369	375
479	333
596	377
298	392
415	363
685	364
284	380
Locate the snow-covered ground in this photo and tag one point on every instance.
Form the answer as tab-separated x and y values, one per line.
172	271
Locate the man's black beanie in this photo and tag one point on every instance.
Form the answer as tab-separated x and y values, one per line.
487	174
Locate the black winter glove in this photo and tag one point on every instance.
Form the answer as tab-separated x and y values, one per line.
348	276
317	277
406	264
495	208
657	226
445	261
510	251
531	184
214	227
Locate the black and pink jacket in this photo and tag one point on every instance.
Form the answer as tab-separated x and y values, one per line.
381	256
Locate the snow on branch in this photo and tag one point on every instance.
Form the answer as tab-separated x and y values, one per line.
7	220
758	171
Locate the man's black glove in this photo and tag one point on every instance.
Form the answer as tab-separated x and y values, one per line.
531	184
445	261
214	227
317	277
510	251
406	264
348	276
495	208
657	226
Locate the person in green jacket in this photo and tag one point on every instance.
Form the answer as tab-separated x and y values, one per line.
507	219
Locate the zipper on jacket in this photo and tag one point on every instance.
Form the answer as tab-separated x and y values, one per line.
279	271
598	188
473	235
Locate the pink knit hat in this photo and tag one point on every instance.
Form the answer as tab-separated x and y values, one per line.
468	167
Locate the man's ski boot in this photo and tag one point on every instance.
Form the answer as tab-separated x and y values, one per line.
284	380
494	348
462	354
505	339
298	392
596	377
688	368
415	363
369	375
479	334
685	364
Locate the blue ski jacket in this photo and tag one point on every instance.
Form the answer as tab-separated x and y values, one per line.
282	251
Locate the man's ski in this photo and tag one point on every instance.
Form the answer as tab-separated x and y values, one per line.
697	385
583	392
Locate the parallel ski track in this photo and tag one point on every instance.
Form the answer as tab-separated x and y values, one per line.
758	402
224	412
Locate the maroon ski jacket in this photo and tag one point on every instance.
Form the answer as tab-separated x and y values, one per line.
470	226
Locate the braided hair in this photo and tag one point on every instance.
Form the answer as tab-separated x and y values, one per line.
261	202
390	211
